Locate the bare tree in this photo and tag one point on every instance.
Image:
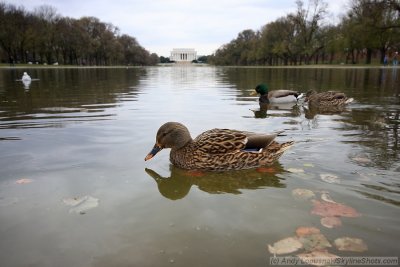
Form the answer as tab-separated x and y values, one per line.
307	22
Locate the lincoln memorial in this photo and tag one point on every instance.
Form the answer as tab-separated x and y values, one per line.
183	55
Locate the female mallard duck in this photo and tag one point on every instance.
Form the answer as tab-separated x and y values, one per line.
217	149
276	96
327	99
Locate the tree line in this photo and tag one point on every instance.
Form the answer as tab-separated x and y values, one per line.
368	32
45	37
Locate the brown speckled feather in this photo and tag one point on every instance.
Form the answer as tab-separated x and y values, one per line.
220	141
327	99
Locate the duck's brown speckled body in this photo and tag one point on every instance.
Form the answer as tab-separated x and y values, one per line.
217	149
327	99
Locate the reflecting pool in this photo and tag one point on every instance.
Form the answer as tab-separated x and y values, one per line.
79	137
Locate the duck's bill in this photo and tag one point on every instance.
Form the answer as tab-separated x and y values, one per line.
153	152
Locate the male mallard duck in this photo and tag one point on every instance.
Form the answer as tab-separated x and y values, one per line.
327	99
276	96
217	149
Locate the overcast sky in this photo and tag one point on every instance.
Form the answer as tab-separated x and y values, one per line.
161	25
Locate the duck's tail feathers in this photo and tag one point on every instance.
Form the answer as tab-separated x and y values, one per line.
275	151
285	146
348	101
300	96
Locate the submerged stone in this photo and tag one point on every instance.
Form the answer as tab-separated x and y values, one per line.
327	198
24	181
81	204
331	222
295	170
361	160
285	246
329	178
304	230
327	209
314	242
308	165
302	194
350	244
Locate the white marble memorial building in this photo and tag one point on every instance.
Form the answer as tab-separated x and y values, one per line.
183	55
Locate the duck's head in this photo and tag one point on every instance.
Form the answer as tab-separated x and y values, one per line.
262	89
173	135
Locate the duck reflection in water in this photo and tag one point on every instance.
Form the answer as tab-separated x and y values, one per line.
27	84
178	185
311	111
277	110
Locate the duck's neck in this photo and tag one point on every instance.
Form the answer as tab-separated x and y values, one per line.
182	141
264	99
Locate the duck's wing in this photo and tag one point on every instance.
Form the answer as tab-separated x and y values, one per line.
324	97
282	93
222	141
331	95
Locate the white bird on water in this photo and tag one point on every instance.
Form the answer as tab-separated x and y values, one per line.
26	77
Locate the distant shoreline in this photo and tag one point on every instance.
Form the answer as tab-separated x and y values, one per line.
324	66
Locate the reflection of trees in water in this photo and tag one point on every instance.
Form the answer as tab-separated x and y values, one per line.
379	134
69	91
375	131
355	82
178	184
381	190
